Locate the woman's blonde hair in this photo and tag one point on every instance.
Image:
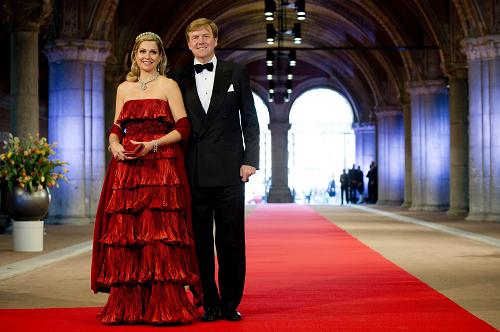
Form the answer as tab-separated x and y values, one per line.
135	72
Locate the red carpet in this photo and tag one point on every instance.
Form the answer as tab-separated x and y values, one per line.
304	274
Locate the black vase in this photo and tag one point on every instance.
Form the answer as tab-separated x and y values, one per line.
24	205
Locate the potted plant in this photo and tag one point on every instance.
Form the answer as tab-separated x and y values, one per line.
29	170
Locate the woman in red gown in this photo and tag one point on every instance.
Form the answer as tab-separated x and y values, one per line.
143	252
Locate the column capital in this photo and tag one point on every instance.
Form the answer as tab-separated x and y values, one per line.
360	127
416	88
457	71
84	50
481	48
279	126
27	15
387	111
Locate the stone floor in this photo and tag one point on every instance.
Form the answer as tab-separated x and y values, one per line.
460	259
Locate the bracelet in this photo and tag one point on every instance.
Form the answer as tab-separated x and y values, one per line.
155	145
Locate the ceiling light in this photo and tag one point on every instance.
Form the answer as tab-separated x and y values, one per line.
270	33
297	35
292	58
269	9
300	7
269	58
270	72
271	87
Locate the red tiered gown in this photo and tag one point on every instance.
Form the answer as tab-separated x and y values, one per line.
144	252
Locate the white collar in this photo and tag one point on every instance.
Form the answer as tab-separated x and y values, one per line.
213	60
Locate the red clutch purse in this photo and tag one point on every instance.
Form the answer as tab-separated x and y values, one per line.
132	150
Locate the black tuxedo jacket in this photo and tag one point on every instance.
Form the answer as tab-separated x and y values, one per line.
227	135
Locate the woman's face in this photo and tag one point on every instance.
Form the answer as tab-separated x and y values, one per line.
147	56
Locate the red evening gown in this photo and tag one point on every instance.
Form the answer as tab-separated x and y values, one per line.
144	254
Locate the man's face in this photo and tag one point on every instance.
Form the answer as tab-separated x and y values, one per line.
202	43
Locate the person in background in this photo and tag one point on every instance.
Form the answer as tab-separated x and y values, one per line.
331	188
344	187
372	183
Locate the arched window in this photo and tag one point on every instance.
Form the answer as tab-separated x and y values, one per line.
256	188
320	144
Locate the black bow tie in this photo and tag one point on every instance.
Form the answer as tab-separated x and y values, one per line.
198	68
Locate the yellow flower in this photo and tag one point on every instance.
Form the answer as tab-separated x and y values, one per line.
25	162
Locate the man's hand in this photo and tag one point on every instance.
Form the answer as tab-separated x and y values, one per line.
246	171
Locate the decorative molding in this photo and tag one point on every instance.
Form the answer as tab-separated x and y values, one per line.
416	88
96	51
388	111
363	127
481	48
279	126
27	15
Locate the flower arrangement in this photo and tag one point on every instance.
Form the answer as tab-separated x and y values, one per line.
26	162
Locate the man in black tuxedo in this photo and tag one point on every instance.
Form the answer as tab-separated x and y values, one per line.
220	106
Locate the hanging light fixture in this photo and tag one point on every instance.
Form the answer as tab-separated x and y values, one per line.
279	69
300	7
289	72
289	86
270	33
297	36
270	72
292	58
270	97
269	9
269	58
271	87
288	90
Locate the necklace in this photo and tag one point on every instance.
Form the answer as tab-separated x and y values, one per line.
144	85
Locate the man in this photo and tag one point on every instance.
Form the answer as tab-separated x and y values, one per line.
220	106
344	187
372	183
353	185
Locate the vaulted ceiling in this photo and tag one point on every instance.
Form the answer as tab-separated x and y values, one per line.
366	49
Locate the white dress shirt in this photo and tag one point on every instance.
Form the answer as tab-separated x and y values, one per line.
205	83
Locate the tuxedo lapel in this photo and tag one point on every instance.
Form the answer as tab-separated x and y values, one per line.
191	93
222	81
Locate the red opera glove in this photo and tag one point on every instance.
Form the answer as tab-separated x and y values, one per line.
115	129
183	127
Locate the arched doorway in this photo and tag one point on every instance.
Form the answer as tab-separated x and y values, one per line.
321	143
256	189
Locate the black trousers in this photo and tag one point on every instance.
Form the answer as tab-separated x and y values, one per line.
224	206
344	191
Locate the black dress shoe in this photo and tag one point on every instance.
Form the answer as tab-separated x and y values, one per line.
211	314
232	315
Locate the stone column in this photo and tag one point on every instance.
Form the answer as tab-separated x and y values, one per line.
483	58
279	191
390	155
430	128
76	122
459	143
25	19
407	126
365	148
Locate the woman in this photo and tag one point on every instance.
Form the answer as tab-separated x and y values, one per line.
143	249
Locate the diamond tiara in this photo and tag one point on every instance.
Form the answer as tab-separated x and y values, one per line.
148	33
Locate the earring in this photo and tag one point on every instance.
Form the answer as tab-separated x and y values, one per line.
158	68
